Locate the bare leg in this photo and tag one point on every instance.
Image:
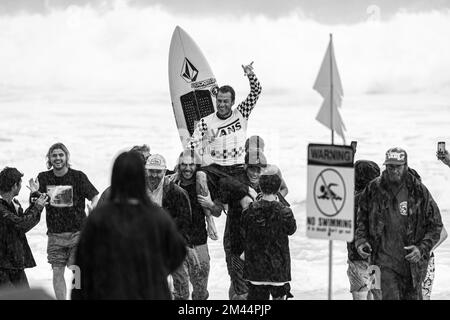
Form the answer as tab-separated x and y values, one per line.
202	189
360	295
59	283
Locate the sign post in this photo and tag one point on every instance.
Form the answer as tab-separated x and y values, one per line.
330	195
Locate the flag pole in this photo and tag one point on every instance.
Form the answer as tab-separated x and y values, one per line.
330	244
331	88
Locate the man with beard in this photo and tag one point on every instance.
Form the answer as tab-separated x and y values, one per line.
175	201
398	225
67	189
197	264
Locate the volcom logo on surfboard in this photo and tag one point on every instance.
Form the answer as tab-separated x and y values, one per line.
188	72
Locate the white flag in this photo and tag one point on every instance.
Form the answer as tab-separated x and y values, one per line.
328	78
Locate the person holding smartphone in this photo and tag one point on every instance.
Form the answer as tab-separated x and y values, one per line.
15	253
442	154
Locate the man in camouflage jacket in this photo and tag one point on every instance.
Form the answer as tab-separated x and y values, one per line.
398	224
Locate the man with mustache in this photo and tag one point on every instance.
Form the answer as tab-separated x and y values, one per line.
68	189
166	194
197	264
398	225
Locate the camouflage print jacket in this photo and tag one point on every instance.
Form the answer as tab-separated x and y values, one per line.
424	220
15	253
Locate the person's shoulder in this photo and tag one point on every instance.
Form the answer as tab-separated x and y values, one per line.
419	185
208	118
281	207
75	172
170	185
106	192
101	212
78	174
45	174
373	185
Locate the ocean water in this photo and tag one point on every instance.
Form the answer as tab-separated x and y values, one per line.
97	128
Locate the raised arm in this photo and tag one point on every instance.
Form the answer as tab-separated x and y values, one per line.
28	219
246	106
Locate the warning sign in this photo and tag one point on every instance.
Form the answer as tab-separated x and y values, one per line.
330	192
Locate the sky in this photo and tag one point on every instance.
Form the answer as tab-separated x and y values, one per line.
120	48
323	11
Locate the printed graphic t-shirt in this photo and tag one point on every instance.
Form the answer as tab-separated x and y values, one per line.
392	253
65	212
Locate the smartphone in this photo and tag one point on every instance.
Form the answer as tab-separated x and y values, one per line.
441	147
353	145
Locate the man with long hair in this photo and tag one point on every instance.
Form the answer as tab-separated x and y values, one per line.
399	223
68	189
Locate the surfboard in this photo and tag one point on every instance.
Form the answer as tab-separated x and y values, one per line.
192	84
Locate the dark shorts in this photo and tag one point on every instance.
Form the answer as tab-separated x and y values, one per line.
263	292
216	172
61	248
238	285
13	278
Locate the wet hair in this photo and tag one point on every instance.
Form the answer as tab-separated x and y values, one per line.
270	184
365	171
57	145
128	178
8	178
226	89
414	173
254	143
141	150
188	153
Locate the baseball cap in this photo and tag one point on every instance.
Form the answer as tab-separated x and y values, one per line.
255	158
396	156
254	143
156	162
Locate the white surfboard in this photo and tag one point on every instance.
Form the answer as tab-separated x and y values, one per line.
192	84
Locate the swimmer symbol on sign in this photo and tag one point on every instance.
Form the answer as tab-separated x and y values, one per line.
329	192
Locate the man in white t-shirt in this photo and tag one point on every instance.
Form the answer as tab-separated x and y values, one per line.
220	139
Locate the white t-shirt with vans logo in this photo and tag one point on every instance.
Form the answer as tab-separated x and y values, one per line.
223	141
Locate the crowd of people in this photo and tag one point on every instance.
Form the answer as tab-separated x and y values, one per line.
146	236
